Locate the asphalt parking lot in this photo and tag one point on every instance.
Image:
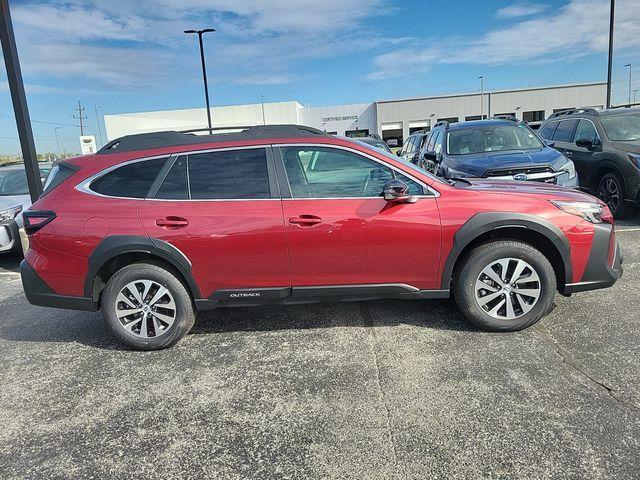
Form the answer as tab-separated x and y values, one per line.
381	389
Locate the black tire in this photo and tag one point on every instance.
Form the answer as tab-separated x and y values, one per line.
184	316
611	191
470	269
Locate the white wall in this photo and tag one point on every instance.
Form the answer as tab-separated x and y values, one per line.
341	118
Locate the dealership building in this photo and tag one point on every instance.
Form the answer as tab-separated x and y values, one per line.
391	119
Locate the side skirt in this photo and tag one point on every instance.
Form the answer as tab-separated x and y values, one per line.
315	294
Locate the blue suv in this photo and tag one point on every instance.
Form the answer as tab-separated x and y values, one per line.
500	149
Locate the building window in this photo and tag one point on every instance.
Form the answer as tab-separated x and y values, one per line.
469	118
419	129
556	110
533	116
357	133
510	114
448	119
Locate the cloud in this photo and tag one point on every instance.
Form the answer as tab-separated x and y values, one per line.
141	44
579	28
521	10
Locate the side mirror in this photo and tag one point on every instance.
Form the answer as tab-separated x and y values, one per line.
396	191
430	156
585	143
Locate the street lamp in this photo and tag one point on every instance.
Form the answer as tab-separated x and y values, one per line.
634	95
204	70
481	97
629	65
263	117
57	140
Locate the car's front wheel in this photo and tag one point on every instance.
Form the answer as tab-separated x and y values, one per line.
504	285
147	307
611	191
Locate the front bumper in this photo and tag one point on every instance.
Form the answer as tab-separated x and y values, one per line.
599	273
9	237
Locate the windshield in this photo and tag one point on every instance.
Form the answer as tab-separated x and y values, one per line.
491	138
14	182
625	128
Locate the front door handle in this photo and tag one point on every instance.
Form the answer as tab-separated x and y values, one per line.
305	220
172	222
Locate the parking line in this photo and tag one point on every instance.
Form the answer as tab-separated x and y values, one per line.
631	229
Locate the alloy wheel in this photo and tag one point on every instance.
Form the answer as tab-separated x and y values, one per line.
609	192
145	308
507	288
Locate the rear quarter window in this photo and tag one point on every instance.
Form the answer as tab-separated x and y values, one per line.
132	180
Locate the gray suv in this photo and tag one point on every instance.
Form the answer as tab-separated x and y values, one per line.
604	145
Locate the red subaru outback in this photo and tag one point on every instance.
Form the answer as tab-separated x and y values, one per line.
155	227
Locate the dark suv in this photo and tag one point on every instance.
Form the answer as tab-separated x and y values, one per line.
605	147
412	146
155	227
502	148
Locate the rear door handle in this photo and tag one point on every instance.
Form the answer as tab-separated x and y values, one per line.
172	222
305	220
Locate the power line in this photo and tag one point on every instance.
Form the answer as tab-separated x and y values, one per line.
80	117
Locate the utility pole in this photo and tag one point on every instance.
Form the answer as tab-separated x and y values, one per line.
481	97
57	140
204	70
262	101
80	117
610	62
98	123
19	99
629	65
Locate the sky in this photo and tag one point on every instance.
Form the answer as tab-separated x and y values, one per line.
122	56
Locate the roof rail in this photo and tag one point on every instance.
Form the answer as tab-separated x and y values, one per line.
441	123
143	141
573	111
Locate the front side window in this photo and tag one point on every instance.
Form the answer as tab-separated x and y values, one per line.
491	138
623	128
564	132
222	175
130	181
586	131
318	172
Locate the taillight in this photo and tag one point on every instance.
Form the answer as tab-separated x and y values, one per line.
34	220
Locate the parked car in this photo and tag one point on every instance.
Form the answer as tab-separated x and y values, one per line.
14	198
154	227
375	142
500	149
413	145
605	147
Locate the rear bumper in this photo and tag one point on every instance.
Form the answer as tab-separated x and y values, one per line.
39	293
599	274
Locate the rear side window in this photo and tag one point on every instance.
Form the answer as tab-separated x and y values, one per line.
130	181
564	132
229	174
546	132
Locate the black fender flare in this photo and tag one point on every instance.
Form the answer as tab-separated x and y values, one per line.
112	246
482	223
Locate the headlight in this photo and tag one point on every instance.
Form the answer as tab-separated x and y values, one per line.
451	173
590	211
10	213
570	168
635	159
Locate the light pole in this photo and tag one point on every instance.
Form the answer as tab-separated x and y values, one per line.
481	97
96	107
634	95
629	65
57	140
263	117
204	70
610	61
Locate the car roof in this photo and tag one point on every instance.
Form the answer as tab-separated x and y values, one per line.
20	166
145	141
476	123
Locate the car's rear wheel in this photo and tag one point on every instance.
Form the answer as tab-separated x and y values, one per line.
504	285
147	307
611	191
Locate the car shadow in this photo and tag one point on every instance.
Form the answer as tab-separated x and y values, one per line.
36	324
10	262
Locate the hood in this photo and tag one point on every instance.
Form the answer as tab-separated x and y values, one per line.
477	165
12	200
631	147
513	187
